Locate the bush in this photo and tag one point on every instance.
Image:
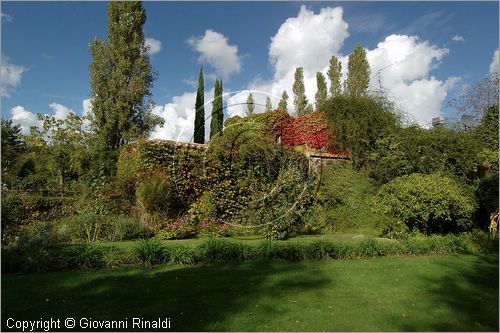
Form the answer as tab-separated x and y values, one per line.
83	257
150	252
487	196
157	200
393	228
215	250
180	228
182	255
85	227
126	228
428	203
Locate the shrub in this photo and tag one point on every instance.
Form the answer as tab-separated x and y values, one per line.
180	228
318	250
156	199
487	196
292	251
85	227
84	257
429	203
214	250
182	255
126	228
393	228
114	257
150	252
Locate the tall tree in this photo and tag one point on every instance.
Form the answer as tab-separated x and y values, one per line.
334	74
269	105
322	90
358	72
250	105
12	144
217	120
300	99
283	103
199	118
121	77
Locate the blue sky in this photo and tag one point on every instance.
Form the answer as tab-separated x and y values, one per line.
47	42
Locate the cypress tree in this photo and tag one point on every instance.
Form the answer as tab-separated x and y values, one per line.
199	119
250	105
321	93
217	120
283	103
334	74
269	105
300	99
358	72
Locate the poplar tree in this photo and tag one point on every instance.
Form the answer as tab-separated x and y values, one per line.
199	119
250	105
358	72
121	77
283	103
334	73
300	99
269	105
322	90
217	120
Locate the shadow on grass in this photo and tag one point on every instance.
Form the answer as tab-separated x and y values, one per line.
194	298
470	292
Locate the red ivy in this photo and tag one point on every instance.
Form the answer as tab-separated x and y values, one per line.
310	131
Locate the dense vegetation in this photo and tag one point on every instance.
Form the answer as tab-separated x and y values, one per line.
98	178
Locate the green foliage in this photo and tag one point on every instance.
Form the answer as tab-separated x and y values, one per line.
217	120
283	103
126	228
334	74
149	252
84	257
269	105
181	255
199	107
357	122
121	77
250	105
156	199
85	227
429	203
417	150
322	90
487	197
221	250
12	145
299	92
358	72
343	202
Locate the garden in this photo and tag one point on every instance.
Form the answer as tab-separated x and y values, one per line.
244	232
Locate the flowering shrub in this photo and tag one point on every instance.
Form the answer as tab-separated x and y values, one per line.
180	228
213	227
310	130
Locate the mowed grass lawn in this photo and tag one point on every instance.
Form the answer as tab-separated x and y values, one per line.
427	293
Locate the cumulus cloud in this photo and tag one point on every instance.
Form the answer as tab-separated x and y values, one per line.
495	64
5	17
153	45
458	38
308	40
179	117
60	111
215	50
11	76
24	118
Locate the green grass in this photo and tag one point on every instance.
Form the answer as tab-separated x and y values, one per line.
428	293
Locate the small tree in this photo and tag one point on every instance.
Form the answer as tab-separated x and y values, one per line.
269	105
283	103
199	119
300	99
334	73
358	72
250	105
12	144
216	123
321	93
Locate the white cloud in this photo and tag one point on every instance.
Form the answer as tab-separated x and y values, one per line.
24	118
308	40
60	111
10	76
495	63
179	117
153	45
458	38
215	50
5	17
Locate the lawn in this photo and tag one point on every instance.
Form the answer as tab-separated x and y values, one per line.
427	293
